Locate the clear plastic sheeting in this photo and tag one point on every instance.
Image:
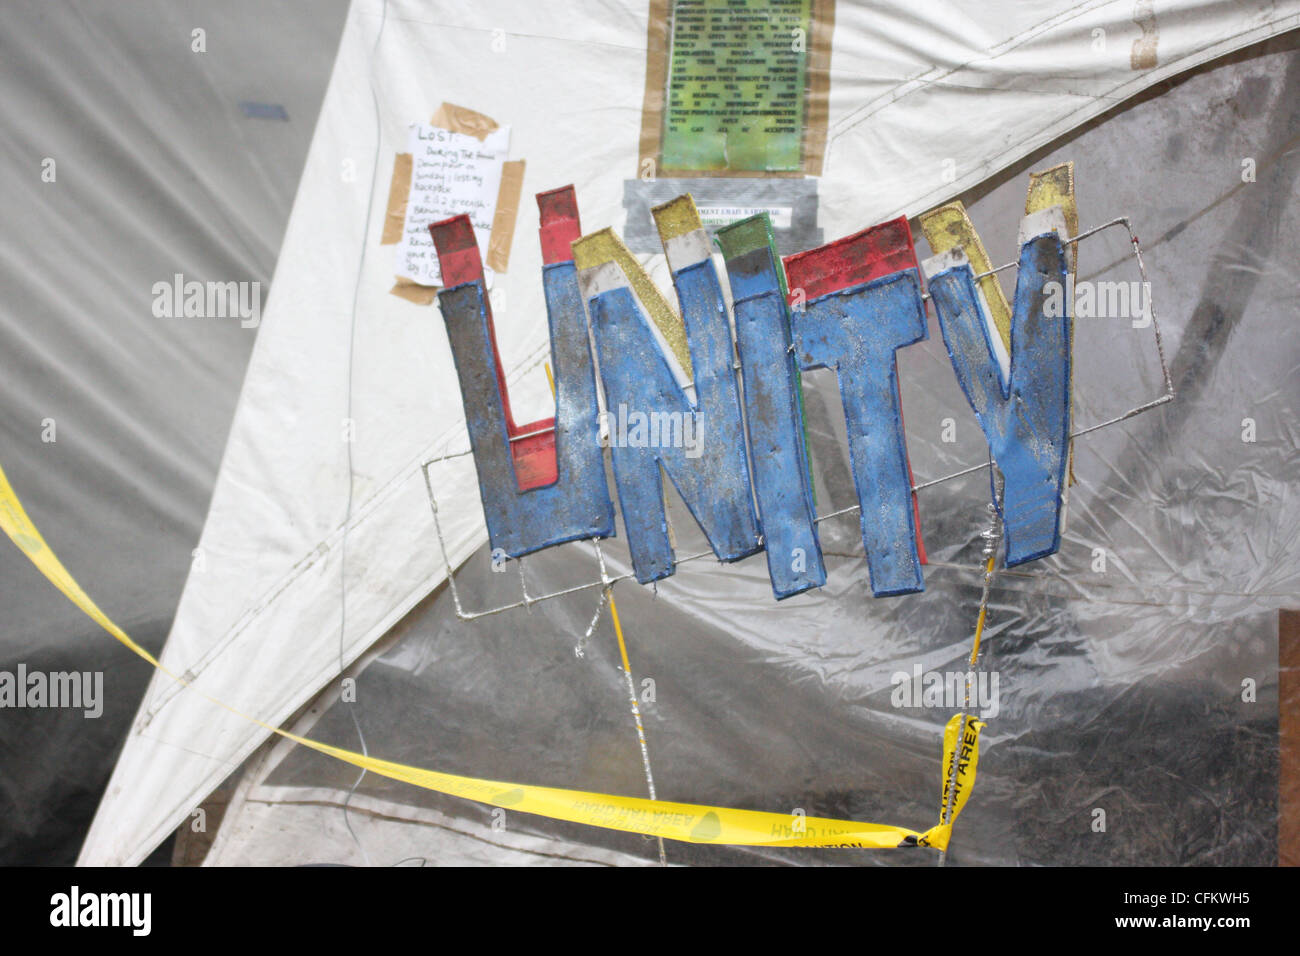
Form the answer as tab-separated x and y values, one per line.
1136	705
126	160
302	521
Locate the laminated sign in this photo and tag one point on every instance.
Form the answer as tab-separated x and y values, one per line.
736	89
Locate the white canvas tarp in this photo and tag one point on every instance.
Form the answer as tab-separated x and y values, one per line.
307	528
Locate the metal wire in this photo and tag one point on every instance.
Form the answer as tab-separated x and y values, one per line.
607	581
992	540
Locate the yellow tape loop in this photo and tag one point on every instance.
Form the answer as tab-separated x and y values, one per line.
687	822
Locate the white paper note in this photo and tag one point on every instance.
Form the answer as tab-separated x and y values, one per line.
451	174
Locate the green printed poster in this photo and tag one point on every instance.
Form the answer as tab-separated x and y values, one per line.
735	93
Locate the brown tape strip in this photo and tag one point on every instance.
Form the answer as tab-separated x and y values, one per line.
1288	705
412	291
461	119
398	191
656	84
503	220
817	94
458	119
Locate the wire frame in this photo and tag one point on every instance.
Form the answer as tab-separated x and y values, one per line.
606	581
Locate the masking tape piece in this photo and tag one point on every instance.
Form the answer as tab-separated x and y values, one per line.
687	822
507	211
949	226
817	100
412	291
399	189
604	246
460	119
656	87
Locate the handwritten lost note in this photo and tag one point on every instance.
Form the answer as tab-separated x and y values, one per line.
452	174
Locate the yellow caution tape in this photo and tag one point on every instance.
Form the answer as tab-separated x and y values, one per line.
688	822
963	731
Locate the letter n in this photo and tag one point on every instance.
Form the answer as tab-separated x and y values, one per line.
773	405
652	360
1025	419
542	483
863	303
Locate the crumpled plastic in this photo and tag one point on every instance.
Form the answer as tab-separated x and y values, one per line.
1136	719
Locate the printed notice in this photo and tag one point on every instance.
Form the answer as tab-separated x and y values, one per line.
714	216
451	174
735	92
790	203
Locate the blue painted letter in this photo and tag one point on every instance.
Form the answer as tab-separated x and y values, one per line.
694	431
855	327
1027	420
772	407
541	483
